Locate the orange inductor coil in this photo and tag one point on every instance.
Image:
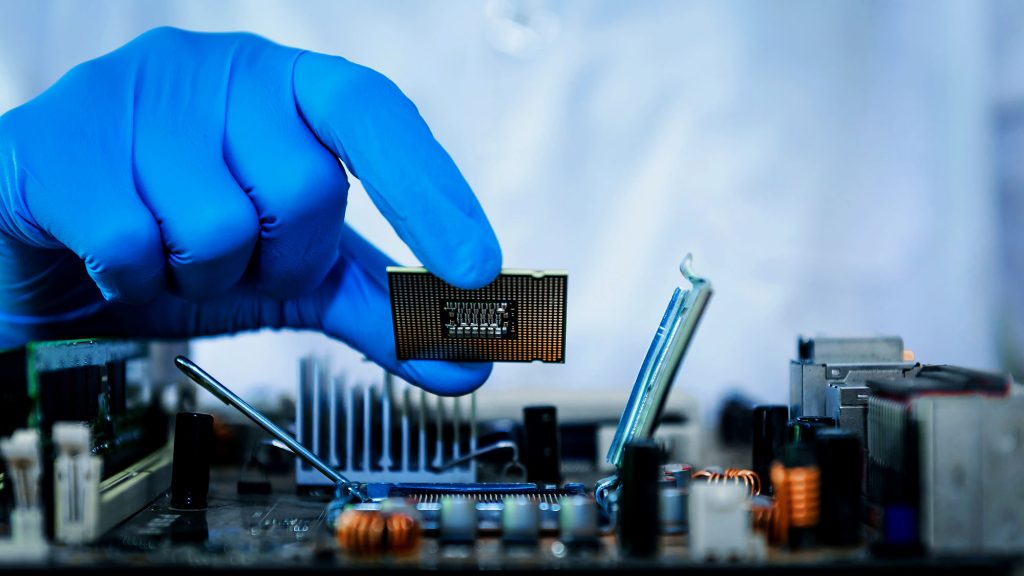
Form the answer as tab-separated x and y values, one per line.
369	532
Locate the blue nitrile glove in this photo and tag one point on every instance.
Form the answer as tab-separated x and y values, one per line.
188	184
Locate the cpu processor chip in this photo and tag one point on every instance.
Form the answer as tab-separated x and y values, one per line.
519	317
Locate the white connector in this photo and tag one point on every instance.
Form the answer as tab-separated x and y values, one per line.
720	526
77	487
28	541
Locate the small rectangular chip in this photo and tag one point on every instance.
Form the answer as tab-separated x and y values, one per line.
519	317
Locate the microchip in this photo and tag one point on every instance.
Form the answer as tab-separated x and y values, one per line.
519	317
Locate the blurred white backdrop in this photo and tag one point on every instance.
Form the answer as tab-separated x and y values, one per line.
830	164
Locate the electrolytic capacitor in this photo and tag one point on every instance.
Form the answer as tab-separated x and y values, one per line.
458	520
542	456
520	520
840	460
769	442
678	475
672	510
193	450
638	502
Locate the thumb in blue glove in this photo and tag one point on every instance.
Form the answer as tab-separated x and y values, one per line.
188	184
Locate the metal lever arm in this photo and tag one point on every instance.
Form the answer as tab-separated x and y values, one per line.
201	377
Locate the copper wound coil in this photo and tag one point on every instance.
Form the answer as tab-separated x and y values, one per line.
748	478
369	532
797	500
762	515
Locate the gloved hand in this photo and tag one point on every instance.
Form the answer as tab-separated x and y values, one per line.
188	184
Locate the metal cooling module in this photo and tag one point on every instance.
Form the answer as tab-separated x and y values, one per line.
519	317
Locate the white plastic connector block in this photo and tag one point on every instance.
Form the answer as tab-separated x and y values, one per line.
28	541
720	528
77	487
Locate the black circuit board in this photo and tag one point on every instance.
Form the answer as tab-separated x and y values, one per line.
281	531
519	317
272	531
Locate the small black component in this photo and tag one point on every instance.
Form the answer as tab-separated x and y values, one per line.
70	394
638	503
15	402
193	449
841	462
769	440
804	429
543	453
734	425
480	319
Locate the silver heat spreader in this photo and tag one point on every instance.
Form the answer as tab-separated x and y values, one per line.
388	431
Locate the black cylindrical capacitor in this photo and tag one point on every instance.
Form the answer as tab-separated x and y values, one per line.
190	472
638	502
840	460
804	429
769	441
734	421
542	456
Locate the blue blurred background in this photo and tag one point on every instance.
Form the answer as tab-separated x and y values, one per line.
851	167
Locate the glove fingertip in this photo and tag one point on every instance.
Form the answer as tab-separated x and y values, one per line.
478	264
139	287
446	378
